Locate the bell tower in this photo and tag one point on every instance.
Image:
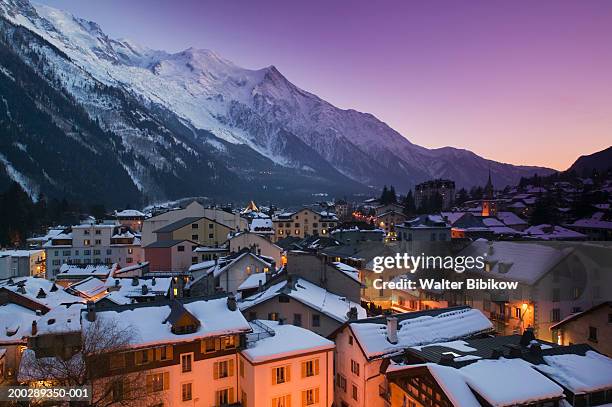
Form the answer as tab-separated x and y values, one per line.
489	207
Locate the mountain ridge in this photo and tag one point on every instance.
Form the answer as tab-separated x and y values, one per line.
176	113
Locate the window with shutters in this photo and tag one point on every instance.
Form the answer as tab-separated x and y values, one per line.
281	374
228	342
163	353
186	362
117	361
211	345
341	382
354	367
142	357
310	397
186	391
355	393
224	368
157	382
241	367
282	401
310	368
224	397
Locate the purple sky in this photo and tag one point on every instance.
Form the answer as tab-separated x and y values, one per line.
519	82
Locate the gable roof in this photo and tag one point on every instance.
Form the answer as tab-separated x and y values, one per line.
171	227
577	315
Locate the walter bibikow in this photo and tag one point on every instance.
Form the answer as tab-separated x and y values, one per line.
444	284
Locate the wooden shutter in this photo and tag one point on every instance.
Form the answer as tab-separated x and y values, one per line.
304	369
274	401
217	343
287	373
150	355
216	371
288	399
274	376
231	368
316	366
149	383
217	398
158	353
304	397
231	395
166	380
170	352
138	358
316	395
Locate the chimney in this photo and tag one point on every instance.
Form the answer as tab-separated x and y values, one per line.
91	311
153	282
535	348
117	283
497	353
145	289
527	337
39	313
446	359
41	294
34	328
260	288
281	321
272	266
352	314
515	351
53	288
392	330
134	281
231	302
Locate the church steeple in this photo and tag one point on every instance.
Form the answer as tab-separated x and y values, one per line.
489	207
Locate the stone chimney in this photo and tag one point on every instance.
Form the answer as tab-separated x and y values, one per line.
527	337
231	302
352	314
446	359
34	328
392	329
91	311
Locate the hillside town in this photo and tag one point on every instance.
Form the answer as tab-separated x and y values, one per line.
208	305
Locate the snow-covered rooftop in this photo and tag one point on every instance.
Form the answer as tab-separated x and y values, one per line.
286	341
526	262
509	382
420	330
579	374
30	288
15	323
350	271
149	324
311	295
252	281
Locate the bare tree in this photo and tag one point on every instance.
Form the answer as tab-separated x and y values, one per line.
101	340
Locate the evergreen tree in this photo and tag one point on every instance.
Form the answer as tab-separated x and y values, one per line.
409	205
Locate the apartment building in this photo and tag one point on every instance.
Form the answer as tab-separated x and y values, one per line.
93	243
302	223
284	365
200	229
363	345
193	210
22	263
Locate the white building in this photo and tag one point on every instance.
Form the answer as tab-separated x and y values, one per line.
285	365
91	243
22	263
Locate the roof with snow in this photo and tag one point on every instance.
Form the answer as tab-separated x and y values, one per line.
150	325
309	294
419	328
252	281
15	323
75	271
350	271
509	382
553	232
271	341
129	213
40	290
579	374
525	261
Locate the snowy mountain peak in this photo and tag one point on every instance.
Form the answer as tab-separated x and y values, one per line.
259	110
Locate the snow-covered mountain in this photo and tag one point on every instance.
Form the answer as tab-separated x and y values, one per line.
170	125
